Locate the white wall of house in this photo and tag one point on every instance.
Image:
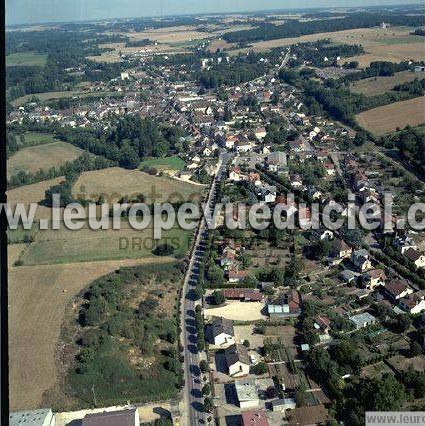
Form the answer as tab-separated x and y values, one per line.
224	339
238	369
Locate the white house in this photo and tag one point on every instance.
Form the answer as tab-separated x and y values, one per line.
360	259
413	303
223	332
363	320
247	393
416	257
243	146
237	360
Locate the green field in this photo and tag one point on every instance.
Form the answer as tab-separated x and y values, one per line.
48	96
38	138
42	157
85	245
26	59
20	235
167	163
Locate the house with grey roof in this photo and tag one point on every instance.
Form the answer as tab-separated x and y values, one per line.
237	360
362	320
222	332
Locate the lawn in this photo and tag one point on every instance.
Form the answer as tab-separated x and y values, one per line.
26	59
38	138
38	157
87	245
167	163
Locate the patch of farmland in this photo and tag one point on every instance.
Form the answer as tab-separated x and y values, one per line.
86	245
115	182
377	85
392	44
26	59
388	118
33	193
42	157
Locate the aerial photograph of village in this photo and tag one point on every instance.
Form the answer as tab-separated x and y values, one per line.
216	212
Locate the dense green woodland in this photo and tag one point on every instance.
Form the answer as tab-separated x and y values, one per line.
316	52
295	28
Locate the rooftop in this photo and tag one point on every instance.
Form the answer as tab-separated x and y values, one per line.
246	390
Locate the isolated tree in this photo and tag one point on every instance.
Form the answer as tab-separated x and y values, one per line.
208	405
217	297
203	365
206	389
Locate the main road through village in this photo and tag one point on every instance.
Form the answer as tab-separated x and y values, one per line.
193	413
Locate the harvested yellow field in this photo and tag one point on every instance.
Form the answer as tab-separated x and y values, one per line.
35	158
377	85
388	118
38	296
14	251
115	182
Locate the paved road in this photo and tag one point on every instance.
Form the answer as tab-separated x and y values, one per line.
194	414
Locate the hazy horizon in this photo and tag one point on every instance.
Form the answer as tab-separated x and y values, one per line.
21	12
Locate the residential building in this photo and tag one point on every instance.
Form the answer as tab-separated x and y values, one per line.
308	416
254	418
247	393
284	404
362	320
397	289
234	275
237	360
276	161
286	306
413	303
243	294
416	257
403	243
360	259
322	324
374	278
128	417
223	332
340	249
39	417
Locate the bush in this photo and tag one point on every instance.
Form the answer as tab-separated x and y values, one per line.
260	368
203	365
217	297
163	250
